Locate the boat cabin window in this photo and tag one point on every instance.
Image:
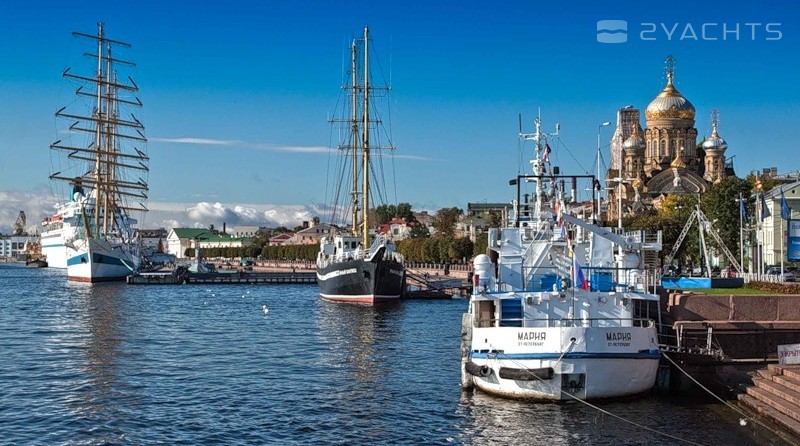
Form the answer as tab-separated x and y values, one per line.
485	313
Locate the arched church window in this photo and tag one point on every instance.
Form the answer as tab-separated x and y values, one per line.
663	147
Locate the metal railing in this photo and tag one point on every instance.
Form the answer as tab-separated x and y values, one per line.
574	322
752	277
601	279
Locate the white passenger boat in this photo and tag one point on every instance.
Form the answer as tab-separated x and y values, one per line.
559	307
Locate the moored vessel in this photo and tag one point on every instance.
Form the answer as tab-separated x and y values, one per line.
357	267
92	235
560	307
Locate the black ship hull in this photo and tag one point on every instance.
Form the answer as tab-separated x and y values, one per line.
361	281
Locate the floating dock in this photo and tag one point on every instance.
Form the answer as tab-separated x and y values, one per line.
245	278
418	286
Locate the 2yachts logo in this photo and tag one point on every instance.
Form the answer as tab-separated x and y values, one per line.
616	31
612	31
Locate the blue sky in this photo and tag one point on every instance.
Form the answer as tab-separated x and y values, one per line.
265	75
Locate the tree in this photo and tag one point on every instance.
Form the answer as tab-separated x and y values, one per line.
384	213
445	221
430	250
404	211
767	182
461	249
481	244
494	219
722	208
419	231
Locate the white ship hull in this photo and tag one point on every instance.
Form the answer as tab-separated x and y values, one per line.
607	362
99	261
54	250
59	231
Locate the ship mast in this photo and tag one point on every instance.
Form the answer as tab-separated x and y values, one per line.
354	135
106	154
104	176
365	148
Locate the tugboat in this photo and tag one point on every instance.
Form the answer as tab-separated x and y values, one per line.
560	307
92	235
36	263
355	267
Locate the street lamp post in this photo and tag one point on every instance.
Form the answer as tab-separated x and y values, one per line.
599	153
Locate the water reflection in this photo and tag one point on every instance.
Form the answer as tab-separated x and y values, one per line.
97	313
355	336
487	419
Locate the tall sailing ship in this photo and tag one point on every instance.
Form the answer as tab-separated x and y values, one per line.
92	234
355	267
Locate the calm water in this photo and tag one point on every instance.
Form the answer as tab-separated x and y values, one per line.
111	363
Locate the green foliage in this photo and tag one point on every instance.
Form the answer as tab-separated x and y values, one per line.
670	219
299	252
722	208
419	231
437	249
767	183
189	252
445	221
495	219
430	248
385	213
404	211
461	249
481	244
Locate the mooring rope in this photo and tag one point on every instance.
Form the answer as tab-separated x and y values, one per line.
734	408
604	411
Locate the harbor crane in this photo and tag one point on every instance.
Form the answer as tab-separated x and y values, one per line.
19	225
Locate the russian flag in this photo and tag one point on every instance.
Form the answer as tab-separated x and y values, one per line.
580	279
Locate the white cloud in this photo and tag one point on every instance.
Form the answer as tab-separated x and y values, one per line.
36	204
201	141
296	149
265	147
40	204
203	213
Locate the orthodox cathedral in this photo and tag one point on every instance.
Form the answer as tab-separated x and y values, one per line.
665	157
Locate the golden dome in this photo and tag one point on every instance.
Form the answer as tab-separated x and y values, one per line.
678	161
670	103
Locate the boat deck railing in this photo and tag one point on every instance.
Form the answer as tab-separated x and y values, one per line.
603	279
553	323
